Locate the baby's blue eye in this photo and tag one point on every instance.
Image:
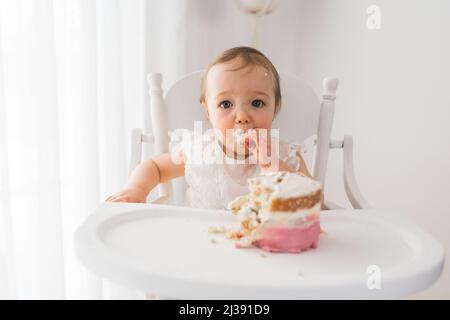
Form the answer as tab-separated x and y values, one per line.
225	104
257	103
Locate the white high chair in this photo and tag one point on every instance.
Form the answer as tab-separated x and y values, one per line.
164	248
303	120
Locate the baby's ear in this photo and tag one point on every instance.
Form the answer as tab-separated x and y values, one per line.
205	107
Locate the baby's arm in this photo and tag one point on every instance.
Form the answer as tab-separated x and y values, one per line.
304	169
148	175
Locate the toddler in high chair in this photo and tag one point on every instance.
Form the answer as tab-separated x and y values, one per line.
240	93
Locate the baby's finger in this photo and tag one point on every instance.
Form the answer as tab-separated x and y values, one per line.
251	139
252	133
124	199
249	143
109	198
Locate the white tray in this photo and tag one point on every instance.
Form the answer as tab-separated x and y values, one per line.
167	250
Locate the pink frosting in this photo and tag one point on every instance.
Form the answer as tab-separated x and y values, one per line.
289	239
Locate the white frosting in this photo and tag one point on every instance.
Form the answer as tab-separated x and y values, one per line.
291	185
239	141
295	185
239	136
237	203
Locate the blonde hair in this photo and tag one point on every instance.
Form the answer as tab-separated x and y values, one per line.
249	57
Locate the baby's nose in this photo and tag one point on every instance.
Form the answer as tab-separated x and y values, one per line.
242	120
242	117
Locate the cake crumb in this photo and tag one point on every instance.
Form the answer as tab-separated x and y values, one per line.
263	254
234	235
212	240
300	274
221	229
322	231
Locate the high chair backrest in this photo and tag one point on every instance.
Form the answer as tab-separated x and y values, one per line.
302	116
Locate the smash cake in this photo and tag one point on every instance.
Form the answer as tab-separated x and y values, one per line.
280	214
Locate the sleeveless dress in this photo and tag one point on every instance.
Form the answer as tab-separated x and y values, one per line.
213	178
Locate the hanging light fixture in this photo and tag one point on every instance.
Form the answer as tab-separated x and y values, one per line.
257	8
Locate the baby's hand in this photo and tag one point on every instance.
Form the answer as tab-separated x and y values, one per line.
129	195
259	142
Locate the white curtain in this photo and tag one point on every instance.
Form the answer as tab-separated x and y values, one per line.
72	85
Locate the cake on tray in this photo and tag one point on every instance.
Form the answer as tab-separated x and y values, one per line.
280	214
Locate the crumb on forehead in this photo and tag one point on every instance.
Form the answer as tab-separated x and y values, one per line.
242	69
221	83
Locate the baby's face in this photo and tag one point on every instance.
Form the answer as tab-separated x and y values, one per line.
242	99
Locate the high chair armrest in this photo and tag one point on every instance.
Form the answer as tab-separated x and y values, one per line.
161	200
137	139
328	205
351	187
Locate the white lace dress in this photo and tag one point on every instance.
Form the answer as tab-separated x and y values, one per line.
213	178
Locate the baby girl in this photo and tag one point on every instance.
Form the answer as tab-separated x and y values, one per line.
240	92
